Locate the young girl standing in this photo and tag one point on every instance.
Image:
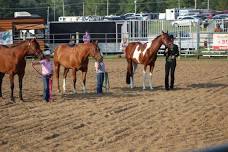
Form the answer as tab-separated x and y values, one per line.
100	70
47	71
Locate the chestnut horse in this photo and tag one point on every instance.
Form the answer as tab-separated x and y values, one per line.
12	62
83	69
146	54
75	58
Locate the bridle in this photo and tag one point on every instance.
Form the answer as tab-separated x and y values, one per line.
167	44
36	54
35	51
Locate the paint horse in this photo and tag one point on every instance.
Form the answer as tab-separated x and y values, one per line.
75	58
12	62
146	54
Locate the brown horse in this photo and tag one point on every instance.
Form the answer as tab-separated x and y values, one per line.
83	69
146	54
12	62
75	58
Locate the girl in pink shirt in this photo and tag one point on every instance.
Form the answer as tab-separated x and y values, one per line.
47	71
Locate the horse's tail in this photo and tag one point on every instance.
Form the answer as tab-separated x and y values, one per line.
129	72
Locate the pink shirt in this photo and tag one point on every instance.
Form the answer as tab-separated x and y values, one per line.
46	67
86	38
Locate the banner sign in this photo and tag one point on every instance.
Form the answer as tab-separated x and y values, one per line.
220	42
6	37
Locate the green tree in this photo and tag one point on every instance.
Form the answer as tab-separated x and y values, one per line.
219	5
99	7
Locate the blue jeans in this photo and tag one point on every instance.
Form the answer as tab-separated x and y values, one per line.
100	80
46	95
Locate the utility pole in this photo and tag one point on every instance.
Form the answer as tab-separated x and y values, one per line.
54	10
107	8
179	4
195	4
96	10
48	15
63	9
83	9
208	4
135	6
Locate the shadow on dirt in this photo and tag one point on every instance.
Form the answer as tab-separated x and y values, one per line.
207	85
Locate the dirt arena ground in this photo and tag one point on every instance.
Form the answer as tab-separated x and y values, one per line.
193	116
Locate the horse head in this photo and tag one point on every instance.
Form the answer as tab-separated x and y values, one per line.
34	48
167	40
95	52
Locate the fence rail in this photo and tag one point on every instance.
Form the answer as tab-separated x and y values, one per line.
192	40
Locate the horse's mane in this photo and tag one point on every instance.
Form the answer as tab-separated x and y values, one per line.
20	43
16	44
5	46
156	38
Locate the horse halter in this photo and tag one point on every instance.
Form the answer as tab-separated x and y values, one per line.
167	44
35	51
97	54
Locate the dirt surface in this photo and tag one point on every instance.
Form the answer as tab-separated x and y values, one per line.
192	116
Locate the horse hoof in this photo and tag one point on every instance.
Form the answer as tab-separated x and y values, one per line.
11	101
12	98
59	92
151	88
62	94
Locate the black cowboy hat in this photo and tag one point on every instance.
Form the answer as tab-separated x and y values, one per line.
171	36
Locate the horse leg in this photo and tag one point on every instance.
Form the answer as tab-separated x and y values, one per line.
129	73
84	81
57	68
1	77
151	71
20	78
64	79
74	80
144	77
11	76
134	67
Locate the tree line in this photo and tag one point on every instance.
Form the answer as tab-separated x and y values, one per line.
56	8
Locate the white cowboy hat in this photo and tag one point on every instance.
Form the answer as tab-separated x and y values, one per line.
47	52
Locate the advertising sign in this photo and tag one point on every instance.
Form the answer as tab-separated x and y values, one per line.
6	37
220	42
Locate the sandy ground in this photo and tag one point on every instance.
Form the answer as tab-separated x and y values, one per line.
193	116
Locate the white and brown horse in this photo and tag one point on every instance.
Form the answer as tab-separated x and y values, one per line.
146	54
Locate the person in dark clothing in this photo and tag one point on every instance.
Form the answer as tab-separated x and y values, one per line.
170	65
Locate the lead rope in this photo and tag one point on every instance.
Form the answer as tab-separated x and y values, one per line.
106	82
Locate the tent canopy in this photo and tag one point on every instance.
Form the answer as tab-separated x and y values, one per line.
29	26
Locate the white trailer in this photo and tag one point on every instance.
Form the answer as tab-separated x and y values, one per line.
172	14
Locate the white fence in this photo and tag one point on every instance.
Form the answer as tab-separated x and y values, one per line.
193	39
